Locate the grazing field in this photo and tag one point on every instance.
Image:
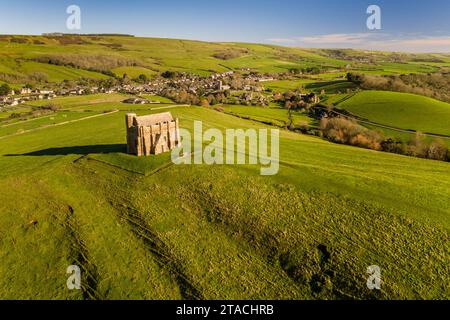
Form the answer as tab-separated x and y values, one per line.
133	72
81	102
42	122
142	228
400	110
330	87
274	115
286	85
5	115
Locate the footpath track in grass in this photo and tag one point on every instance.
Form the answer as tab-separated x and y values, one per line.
60	124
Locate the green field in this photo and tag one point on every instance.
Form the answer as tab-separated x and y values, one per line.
286	85
42	122
143	229
273	116
400	110
20	62
330	87
81	102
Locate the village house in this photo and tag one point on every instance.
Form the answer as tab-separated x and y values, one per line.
310	98
109	90
151	134
222	87
46	92
76	92
25	91
136	101
265	79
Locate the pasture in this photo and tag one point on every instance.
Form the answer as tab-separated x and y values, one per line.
144	229
400	110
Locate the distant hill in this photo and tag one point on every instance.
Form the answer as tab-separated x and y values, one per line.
57	57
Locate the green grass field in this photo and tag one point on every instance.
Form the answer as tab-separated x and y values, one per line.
273	116
400	110
286	85
41	122
143	229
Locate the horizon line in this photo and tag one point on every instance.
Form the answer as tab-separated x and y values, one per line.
116	34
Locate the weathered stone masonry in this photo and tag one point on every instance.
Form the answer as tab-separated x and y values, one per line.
151	134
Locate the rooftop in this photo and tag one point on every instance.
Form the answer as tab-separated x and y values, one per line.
153	119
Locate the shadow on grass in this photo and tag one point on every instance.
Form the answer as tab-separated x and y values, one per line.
81	150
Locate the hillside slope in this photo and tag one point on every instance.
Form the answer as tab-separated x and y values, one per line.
37	58
70	195
400	110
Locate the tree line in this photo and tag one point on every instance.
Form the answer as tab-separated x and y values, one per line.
433	85
346	131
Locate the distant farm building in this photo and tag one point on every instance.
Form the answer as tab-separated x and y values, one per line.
136	101
151	134
139	101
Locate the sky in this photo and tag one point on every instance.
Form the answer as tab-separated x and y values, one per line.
406	25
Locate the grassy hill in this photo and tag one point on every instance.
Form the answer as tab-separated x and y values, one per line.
141	228
26	58
400	110
275	116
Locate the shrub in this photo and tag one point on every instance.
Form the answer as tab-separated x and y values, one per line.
142	78
4	89
417	147
15	115
169	74
98	63
393	146
303	126
49	107
438	151
19	40
204	103
229	54
346	131
38	76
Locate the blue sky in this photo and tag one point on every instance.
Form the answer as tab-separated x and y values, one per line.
414	25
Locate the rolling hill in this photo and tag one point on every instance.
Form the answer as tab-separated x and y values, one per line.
400	110
143	229
50	58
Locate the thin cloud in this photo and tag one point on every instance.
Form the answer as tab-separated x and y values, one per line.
372	41
283	40
437	41
354	38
